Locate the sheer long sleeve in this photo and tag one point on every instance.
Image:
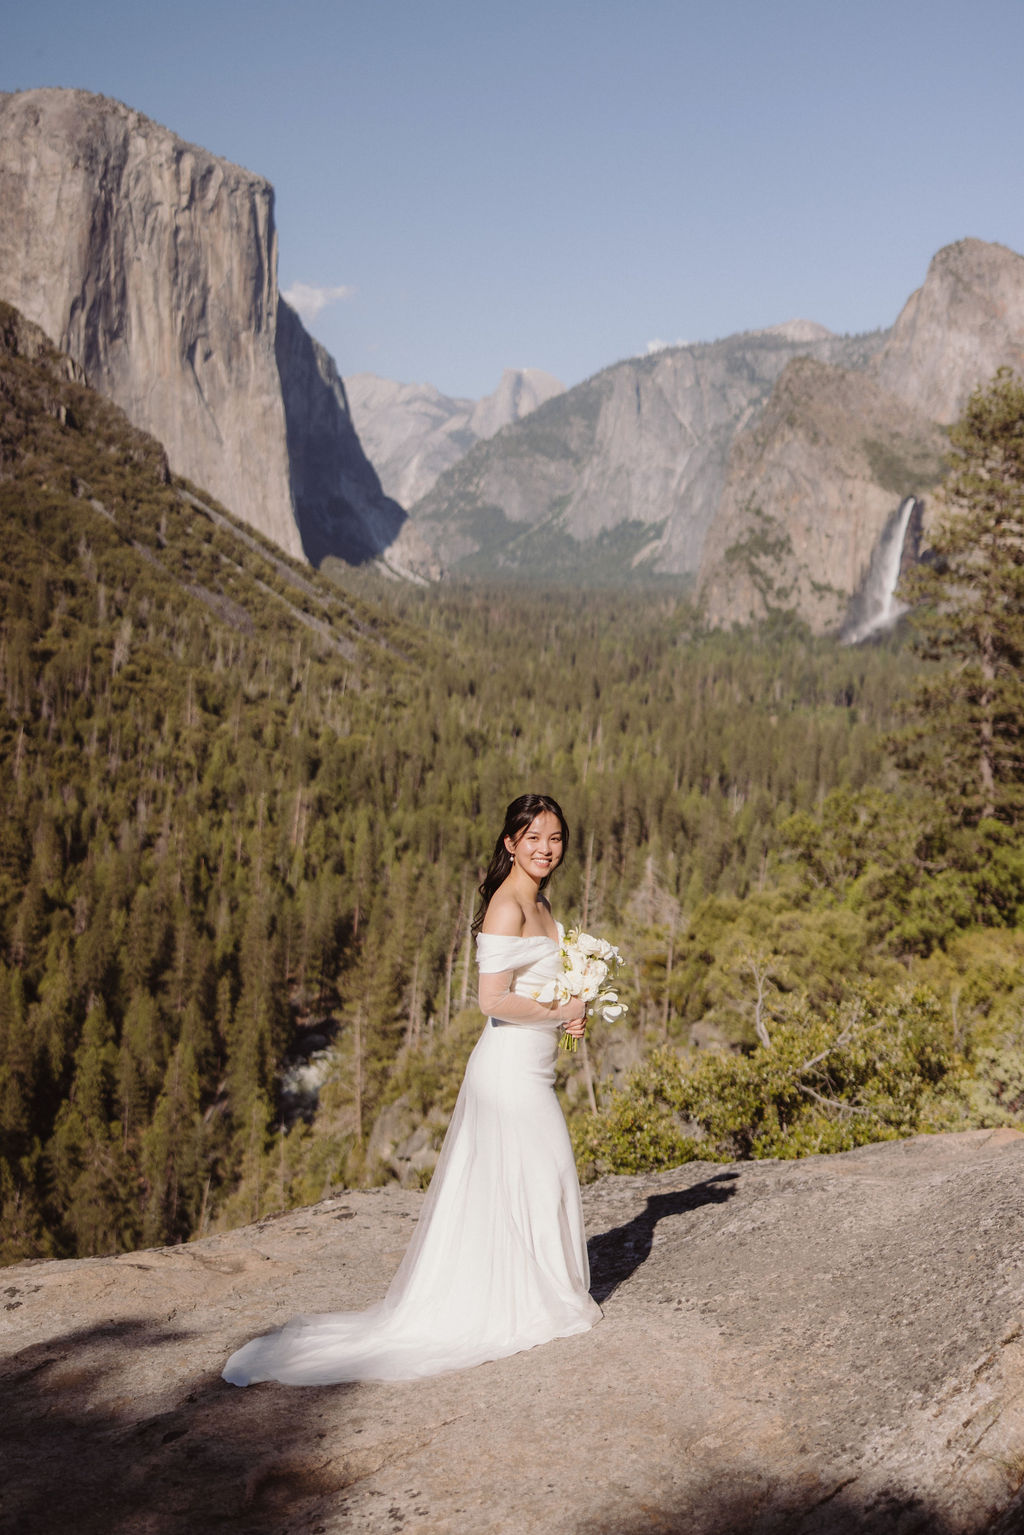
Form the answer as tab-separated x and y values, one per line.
499	999
508	966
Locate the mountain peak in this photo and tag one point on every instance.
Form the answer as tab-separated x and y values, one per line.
797	330
153	263
413	432
965	321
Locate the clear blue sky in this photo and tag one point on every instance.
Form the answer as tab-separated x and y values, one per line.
559	183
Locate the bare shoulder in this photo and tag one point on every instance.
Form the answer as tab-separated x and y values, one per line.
505	916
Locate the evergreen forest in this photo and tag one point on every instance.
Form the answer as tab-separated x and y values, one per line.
246	807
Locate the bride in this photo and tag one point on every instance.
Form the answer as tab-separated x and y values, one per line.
498	1262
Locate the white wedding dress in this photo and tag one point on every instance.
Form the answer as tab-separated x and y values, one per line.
498	1261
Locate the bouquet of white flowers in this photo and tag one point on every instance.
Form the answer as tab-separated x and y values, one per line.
588	963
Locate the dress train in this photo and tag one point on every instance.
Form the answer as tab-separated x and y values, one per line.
498	1260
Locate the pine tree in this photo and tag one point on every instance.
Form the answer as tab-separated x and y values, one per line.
16	1065
967	742
92	1178
172	1153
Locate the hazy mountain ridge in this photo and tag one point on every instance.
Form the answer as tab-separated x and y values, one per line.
636	456
413	432
154	265
675	459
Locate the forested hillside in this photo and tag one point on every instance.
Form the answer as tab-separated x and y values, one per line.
245	810
172	689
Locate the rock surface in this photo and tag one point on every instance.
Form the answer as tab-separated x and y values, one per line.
833	1345
414	433
154	265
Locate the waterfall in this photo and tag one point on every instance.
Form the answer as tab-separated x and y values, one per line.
876	607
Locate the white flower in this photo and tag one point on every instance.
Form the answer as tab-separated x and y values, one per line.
572	981
586	966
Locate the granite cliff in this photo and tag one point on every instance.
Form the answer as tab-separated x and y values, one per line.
825	1347
414	433
729	464
815	483
808	493
154	265
623	472
766	466
966	321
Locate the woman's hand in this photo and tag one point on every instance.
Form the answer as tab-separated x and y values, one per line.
576	1023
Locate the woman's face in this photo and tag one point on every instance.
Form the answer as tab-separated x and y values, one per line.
538	850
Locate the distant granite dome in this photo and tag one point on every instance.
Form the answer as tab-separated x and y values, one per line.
966	321
797	330
623	473
154	264
413	432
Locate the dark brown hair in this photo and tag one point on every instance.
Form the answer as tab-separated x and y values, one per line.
518	817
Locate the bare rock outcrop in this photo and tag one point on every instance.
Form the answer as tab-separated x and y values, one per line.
154	265
809	490
20	338
964	322
414	433
333	485
798	330
625	470
520	391
833	1346
813	484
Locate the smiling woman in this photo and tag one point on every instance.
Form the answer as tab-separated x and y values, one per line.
499	1259
533	840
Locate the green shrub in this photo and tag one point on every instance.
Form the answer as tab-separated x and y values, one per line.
875	1069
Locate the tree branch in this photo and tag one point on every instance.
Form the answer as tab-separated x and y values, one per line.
833	1103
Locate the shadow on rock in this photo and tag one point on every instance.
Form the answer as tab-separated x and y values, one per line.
616	1254
82	1454
752	1505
